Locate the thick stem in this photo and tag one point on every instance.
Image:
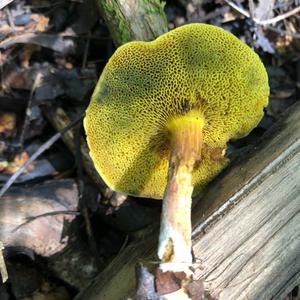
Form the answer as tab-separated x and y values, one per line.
175	230
174	247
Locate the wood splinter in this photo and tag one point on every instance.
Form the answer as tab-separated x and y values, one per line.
3	269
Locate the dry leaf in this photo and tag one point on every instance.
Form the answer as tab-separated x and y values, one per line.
27	52
17	163
7	123
41	24
169	282
3	165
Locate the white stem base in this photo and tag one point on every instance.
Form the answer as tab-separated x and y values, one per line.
174	247
178	295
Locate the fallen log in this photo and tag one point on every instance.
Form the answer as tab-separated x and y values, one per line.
246	227
134	20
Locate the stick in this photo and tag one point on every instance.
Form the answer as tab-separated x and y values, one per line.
263	22
3	270
36	154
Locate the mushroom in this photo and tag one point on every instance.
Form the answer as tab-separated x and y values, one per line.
162	114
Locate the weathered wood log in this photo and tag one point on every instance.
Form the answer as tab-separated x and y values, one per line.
246	227
133	20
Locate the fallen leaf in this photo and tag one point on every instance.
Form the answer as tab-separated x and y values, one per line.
7	123
27	52
16	77
3	165
17	163
41	24
169	282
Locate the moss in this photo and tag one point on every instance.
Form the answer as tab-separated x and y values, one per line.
121	31
153	7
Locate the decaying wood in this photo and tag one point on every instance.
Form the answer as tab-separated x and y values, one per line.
133	20
246	227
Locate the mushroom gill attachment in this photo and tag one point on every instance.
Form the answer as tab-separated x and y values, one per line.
162	114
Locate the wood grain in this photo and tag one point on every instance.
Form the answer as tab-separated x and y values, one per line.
133	20
246	227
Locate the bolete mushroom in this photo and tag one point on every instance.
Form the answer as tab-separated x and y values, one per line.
161	116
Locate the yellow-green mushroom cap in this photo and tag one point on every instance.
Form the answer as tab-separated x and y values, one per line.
145	85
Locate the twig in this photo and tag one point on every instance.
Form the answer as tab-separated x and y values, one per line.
279	18
3	270
36	83
86	51
238	9
36	154
252	9
82	204
1	72
263	22
9	18
51	213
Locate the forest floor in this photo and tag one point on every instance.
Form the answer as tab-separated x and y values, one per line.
51	55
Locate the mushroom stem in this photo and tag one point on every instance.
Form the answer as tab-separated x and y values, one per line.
174	247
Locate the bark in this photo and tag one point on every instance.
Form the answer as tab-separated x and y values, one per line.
246	227
133	20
